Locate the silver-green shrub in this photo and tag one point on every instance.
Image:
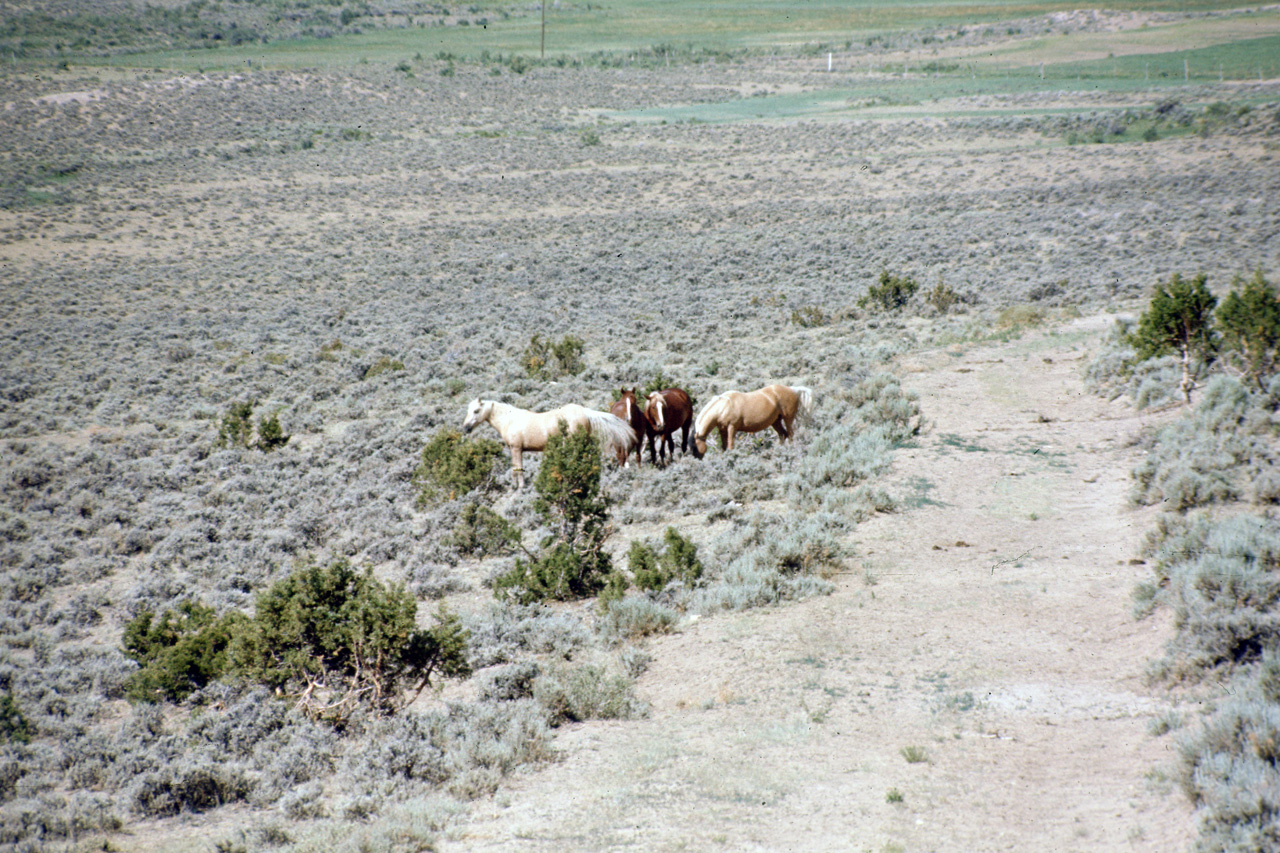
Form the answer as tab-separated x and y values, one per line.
1224	450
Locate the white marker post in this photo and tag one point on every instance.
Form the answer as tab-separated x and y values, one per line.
828	62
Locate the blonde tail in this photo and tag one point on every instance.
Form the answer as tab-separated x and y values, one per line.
614	433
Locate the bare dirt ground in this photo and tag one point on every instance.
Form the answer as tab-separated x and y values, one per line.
989	627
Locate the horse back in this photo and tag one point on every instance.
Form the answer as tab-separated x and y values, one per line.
635	417
786	398
679	407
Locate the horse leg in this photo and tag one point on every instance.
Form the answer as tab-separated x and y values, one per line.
781	429
684	440
728	444
517	466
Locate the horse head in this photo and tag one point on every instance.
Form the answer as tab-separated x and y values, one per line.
478	412
657	410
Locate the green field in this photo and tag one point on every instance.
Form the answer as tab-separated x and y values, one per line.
618	30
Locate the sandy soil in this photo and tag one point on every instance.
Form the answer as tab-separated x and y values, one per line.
988	626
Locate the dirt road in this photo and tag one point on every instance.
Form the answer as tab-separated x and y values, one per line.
975	682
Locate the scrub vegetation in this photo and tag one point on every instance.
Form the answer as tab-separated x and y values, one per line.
247	558
1216	552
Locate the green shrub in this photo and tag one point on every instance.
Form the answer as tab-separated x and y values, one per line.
14	727
270	433
481	532
943	298
810	316
573	563
452	467
182	651
237	429
891	294
546	359
1249	318
586	693
385	364
590	137
637	616
335	639
237	426
1179	321
677	562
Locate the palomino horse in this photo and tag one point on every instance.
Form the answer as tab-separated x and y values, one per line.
734	411
669	410
524	430
627	409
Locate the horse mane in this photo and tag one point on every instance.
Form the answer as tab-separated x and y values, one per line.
806	401
713	407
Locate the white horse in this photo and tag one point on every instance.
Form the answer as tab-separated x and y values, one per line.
524	430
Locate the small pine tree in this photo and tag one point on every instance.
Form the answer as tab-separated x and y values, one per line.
237	426
890	294
452	467
1179	321
180	652
574	563
1249	318
14	727
336	639
270	433
678	561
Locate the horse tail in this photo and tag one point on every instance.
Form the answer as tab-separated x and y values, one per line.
614	433
805	397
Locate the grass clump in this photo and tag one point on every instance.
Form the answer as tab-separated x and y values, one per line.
588	692
914	754
452	467
385	364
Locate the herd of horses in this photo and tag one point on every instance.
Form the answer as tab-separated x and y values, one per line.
627	426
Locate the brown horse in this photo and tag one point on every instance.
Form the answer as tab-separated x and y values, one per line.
734	411
669	410
627	409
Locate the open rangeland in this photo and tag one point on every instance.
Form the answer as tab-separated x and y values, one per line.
913	627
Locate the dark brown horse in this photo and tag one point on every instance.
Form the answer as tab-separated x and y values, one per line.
669	410
629	410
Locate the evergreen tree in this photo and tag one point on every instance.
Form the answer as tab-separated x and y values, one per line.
573	563
1250	321
1179	321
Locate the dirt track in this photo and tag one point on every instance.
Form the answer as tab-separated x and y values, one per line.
989	626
